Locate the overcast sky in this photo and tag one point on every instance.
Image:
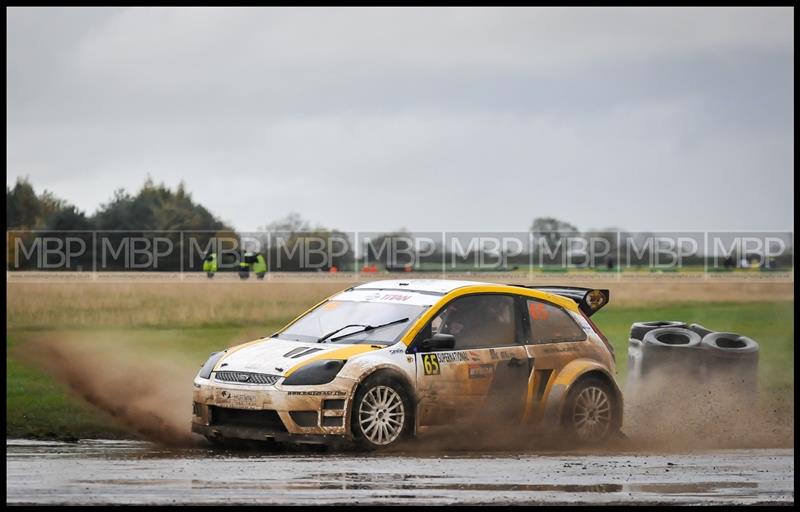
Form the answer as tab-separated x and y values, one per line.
375	119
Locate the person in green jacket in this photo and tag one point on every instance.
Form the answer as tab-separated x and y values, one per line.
210	265
260	266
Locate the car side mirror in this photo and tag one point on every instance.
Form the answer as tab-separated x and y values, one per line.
438	342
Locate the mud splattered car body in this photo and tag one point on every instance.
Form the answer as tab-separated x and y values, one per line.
387	360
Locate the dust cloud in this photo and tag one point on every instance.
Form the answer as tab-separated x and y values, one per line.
674	411
150	397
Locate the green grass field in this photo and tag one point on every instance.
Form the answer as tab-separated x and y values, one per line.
39	406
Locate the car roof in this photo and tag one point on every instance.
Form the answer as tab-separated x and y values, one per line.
437	286
441	287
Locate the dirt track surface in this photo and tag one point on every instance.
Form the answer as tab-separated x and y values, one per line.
119	472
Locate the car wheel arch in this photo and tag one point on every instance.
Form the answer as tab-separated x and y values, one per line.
573	373
394	374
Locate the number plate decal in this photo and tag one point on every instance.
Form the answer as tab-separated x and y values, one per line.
430	364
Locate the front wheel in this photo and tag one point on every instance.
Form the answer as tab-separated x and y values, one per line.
591	413
381	415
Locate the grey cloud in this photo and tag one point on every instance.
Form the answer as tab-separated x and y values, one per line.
425	118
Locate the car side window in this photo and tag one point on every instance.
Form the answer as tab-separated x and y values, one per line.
551	324
478	321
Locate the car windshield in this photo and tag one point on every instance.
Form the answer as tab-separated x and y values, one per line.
336	314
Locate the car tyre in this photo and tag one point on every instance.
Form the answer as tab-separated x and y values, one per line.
591	412
730	342
639	329
381	415
672	337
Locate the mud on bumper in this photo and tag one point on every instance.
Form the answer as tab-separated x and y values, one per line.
302	417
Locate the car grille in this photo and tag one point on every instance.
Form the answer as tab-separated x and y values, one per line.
265	420
247	378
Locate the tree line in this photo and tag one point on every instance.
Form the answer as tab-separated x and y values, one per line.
154	207
158	214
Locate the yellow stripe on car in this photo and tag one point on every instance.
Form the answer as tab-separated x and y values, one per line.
348	352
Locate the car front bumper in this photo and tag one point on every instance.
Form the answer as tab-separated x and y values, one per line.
284	413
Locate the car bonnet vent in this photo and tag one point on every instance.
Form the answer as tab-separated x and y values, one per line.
301	351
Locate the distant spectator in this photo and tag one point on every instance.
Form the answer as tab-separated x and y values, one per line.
210	265
260	266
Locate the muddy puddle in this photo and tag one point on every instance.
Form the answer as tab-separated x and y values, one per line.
116	472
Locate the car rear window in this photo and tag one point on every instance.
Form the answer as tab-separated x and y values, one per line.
551	324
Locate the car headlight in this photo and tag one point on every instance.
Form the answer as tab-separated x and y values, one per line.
318	372
205	371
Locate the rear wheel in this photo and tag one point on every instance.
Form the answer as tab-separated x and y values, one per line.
591	414
381	415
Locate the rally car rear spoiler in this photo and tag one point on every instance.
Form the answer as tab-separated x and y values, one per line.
589	300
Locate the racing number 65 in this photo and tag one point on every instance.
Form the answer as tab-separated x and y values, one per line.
430	363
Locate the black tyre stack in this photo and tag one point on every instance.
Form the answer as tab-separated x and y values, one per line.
683	353
666	347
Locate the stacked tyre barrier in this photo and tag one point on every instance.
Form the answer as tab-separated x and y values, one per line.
691	354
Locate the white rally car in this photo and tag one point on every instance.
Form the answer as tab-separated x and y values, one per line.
387	360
